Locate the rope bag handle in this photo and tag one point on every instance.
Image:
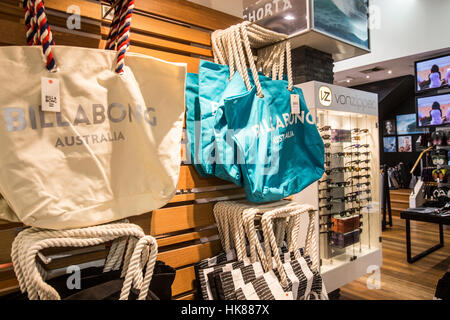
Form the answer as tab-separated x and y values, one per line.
140	252
271	248
38	31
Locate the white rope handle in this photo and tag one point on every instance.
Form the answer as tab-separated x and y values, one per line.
135	268
30	242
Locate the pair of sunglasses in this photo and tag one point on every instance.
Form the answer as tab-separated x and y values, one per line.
358	185
359	177
327	181
325	128
360	130
358	161
327	207
357	146
367	191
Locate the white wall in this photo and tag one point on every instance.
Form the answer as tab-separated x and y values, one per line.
406	27
233	7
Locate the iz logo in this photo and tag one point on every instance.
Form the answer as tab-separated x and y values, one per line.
325	96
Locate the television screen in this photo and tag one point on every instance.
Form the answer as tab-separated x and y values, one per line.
407	124
433	73
433	110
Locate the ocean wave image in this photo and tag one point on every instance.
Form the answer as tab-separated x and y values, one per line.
345	19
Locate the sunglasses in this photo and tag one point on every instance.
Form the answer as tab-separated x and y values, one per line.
356	138
358	161
367	176
358	185
328	207
341	184
327	145
368	191
349	212
357	146
360	130
340	169
326	137
325	128
325	181
328	199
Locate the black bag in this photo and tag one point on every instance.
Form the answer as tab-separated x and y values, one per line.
443	288
99	285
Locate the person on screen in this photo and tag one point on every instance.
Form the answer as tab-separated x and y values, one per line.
435	77
447	118
436	114
447	77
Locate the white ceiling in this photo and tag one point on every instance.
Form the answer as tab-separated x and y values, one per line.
398	67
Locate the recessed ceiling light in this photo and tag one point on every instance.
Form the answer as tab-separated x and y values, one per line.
348	80
390	71
289	17
367	77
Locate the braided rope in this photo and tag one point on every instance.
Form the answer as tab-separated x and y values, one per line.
123	36
217	47
31	241
251	61
289	66
30	22
240	56
271	244
44	34
229	48
135	268
112	35
311	245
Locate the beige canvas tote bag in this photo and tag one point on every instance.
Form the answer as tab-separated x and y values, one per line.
113	149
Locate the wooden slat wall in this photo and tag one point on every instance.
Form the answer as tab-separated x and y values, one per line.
174	30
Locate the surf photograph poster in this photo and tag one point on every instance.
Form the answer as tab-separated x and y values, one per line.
343	19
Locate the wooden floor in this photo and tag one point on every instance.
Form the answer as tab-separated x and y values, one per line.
400	280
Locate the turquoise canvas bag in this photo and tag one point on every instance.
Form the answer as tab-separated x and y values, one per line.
213	79
193	123
215	86
280	153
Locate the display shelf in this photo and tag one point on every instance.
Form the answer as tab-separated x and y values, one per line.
351	180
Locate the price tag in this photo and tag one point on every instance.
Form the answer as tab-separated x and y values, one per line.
295	104
50	98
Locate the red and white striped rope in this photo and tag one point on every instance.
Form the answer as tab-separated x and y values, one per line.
123	37
112	36
38	29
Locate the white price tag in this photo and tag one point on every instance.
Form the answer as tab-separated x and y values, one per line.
50	99
295	104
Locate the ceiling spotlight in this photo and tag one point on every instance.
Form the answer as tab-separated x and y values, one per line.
390	72
367	77
348	80
289	17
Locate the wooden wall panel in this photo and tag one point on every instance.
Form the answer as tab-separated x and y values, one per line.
189	255
181	218
188	12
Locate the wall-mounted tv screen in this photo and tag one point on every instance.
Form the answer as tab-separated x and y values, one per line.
433	73
433	110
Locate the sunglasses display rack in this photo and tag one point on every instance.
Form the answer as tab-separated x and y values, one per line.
348	195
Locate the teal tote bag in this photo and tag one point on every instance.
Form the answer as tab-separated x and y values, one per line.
280	152
193	128
215	85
